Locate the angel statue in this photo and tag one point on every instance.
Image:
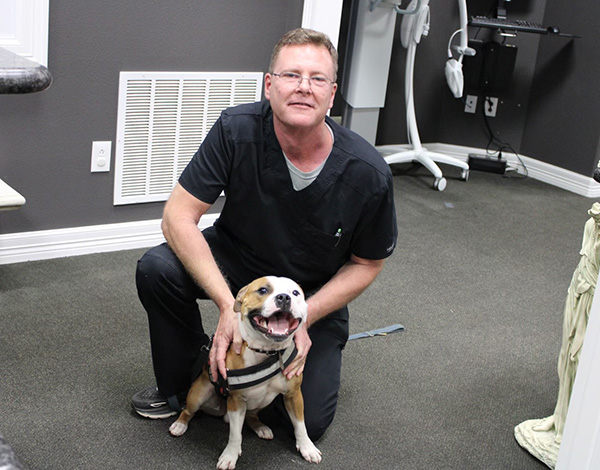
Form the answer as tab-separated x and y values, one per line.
542	437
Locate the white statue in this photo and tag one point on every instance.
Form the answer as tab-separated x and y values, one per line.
542	437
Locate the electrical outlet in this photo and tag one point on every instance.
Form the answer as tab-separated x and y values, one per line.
471	104
491	106
101	156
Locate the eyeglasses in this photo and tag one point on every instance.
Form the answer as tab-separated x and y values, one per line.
291	78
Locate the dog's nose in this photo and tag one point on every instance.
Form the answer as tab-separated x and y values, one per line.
283	302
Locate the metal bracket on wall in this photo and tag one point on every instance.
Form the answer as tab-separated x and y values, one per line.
396	6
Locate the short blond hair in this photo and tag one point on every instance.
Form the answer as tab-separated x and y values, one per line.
302	37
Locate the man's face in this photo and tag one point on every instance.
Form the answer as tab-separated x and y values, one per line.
301	105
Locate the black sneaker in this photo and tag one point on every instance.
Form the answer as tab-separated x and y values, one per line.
149	403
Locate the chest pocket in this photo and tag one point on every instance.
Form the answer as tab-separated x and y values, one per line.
322	249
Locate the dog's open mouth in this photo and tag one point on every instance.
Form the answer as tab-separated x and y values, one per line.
278	326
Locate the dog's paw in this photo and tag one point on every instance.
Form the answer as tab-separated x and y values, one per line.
229	457
309	451
264	432
178	428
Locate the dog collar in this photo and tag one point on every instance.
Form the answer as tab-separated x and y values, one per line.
271	352
254	375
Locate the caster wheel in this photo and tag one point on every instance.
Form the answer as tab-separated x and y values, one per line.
464	175
439	184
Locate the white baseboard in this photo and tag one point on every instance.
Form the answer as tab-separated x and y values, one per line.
47	244
550	174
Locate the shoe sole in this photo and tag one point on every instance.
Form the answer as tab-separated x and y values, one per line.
153	415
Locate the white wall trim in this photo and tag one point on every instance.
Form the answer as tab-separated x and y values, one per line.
324	16
24	28
47	244
537	170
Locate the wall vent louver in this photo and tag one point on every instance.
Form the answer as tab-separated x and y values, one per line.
162	119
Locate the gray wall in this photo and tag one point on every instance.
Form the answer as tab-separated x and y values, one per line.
563	118
46	138
550	111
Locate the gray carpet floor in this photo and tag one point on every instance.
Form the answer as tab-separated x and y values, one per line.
479	280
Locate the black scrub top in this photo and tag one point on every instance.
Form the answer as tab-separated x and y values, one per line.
268	228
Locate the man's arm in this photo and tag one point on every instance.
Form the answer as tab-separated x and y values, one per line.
347	284
180	227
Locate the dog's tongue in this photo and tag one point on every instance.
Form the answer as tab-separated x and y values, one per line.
278	325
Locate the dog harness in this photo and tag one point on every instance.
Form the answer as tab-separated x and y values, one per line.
247	377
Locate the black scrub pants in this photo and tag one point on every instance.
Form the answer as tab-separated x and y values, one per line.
169	294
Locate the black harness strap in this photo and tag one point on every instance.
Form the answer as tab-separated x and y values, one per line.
246	377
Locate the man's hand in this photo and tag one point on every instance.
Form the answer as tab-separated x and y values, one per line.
303	344
228	332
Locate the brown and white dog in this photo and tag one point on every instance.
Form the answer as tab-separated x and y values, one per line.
270	310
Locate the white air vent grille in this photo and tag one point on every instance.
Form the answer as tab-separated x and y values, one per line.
163	117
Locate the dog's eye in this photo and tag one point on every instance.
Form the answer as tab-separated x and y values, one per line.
263	291
295	293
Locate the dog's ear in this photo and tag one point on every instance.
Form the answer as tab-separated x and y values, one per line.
237	306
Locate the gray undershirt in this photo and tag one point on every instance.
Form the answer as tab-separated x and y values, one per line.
302	179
